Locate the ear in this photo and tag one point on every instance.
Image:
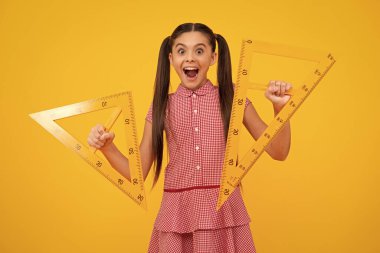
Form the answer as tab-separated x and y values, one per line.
214	57
171	58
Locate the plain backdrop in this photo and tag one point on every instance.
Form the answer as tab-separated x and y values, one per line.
323	198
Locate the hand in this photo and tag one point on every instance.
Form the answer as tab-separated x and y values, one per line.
276	93
99	138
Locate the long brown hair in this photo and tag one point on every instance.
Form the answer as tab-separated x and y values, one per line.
162	82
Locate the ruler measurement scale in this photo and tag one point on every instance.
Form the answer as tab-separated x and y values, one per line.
232	174
133	149
233	131
122	102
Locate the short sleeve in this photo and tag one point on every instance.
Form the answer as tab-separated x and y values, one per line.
149	114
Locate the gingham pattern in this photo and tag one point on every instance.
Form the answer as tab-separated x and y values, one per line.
188	211
236	239
194	131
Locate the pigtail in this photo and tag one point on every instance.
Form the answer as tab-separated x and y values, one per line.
160	99
224	76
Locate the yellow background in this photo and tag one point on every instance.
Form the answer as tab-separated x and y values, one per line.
323	198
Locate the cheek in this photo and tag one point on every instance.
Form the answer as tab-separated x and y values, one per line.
207	61
177	68
206	64
176	64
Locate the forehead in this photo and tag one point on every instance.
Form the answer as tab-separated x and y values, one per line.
190	39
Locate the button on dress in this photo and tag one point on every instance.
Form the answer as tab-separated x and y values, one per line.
187	220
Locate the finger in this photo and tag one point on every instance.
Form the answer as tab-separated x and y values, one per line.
105	136
96	141
288	86
271	90
89	141
95	132
100	128
100	142
278	88
108	136
282	87
92	144
94	137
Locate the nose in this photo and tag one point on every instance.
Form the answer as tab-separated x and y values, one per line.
189	57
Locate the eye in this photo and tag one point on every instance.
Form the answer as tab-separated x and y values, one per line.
199	51
181	51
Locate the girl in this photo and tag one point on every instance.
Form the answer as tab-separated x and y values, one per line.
195	119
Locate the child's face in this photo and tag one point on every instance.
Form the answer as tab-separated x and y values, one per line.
191	58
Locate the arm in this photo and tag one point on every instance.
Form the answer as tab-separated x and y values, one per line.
118	161
279	147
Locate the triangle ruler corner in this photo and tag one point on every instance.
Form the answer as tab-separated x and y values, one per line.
234	171
121	105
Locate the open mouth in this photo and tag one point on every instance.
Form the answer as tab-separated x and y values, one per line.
191	71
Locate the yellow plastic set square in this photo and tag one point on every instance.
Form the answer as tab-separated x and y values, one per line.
232	174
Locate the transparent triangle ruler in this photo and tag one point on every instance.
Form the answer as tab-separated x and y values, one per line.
122	104
232	172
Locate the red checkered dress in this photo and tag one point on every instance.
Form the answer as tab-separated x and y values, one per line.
187	220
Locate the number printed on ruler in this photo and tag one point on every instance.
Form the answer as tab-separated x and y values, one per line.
232	172
122	104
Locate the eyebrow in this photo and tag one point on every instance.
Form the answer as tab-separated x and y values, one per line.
199	44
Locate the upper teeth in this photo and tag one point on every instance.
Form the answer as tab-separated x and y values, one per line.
190	68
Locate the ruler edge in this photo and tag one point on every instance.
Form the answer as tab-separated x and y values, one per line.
41	117
321	57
